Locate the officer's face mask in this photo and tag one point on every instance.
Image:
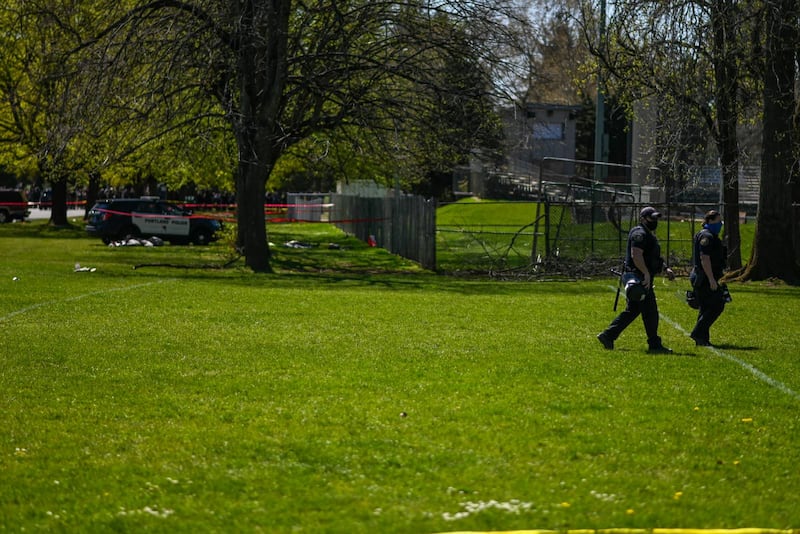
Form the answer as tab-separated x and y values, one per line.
651	224
714	228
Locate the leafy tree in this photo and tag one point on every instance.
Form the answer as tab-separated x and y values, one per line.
323	159
453	120
196	155
75	113
40	115
283	70
154	122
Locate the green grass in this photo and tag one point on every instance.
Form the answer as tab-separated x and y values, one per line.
475	235
187	399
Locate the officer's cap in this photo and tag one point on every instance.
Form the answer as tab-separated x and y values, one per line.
650	212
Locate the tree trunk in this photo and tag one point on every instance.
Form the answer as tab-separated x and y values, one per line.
252	237
255	159
91	193
796	169
796	193
773	248
262	28
58	207
726	87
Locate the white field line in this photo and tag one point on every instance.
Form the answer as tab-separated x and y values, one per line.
743	364
32	307
731	358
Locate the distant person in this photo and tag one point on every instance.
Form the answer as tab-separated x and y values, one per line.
642	262
709	261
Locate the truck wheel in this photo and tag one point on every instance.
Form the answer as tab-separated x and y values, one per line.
201	237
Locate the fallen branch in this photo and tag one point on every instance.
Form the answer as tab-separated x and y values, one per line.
178	266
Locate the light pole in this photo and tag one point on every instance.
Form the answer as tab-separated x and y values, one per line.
600	144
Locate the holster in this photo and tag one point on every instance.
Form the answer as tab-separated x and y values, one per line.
697	277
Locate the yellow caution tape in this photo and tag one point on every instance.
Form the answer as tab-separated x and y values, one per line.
639	531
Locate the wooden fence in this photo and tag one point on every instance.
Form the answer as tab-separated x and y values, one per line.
402	224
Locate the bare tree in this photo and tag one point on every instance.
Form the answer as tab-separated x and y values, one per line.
553	55
725	55
692	57
773	253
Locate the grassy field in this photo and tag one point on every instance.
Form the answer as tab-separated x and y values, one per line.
353	392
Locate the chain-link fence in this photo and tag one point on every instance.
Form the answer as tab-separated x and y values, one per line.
572	218
573	232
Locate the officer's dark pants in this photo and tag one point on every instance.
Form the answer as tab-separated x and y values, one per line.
648	308
712	303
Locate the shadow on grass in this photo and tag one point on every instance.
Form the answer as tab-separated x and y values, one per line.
673	354
335	260
645	354
730	346
42	229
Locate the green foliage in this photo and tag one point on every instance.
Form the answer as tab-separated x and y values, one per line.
186	400
69	109
155	77
319	162
441	112
200	157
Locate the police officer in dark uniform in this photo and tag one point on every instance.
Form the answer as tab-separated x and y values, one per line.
643	261
709	262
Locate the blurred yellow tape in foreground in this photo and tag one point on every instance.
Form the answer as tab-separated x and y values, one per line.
638	531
